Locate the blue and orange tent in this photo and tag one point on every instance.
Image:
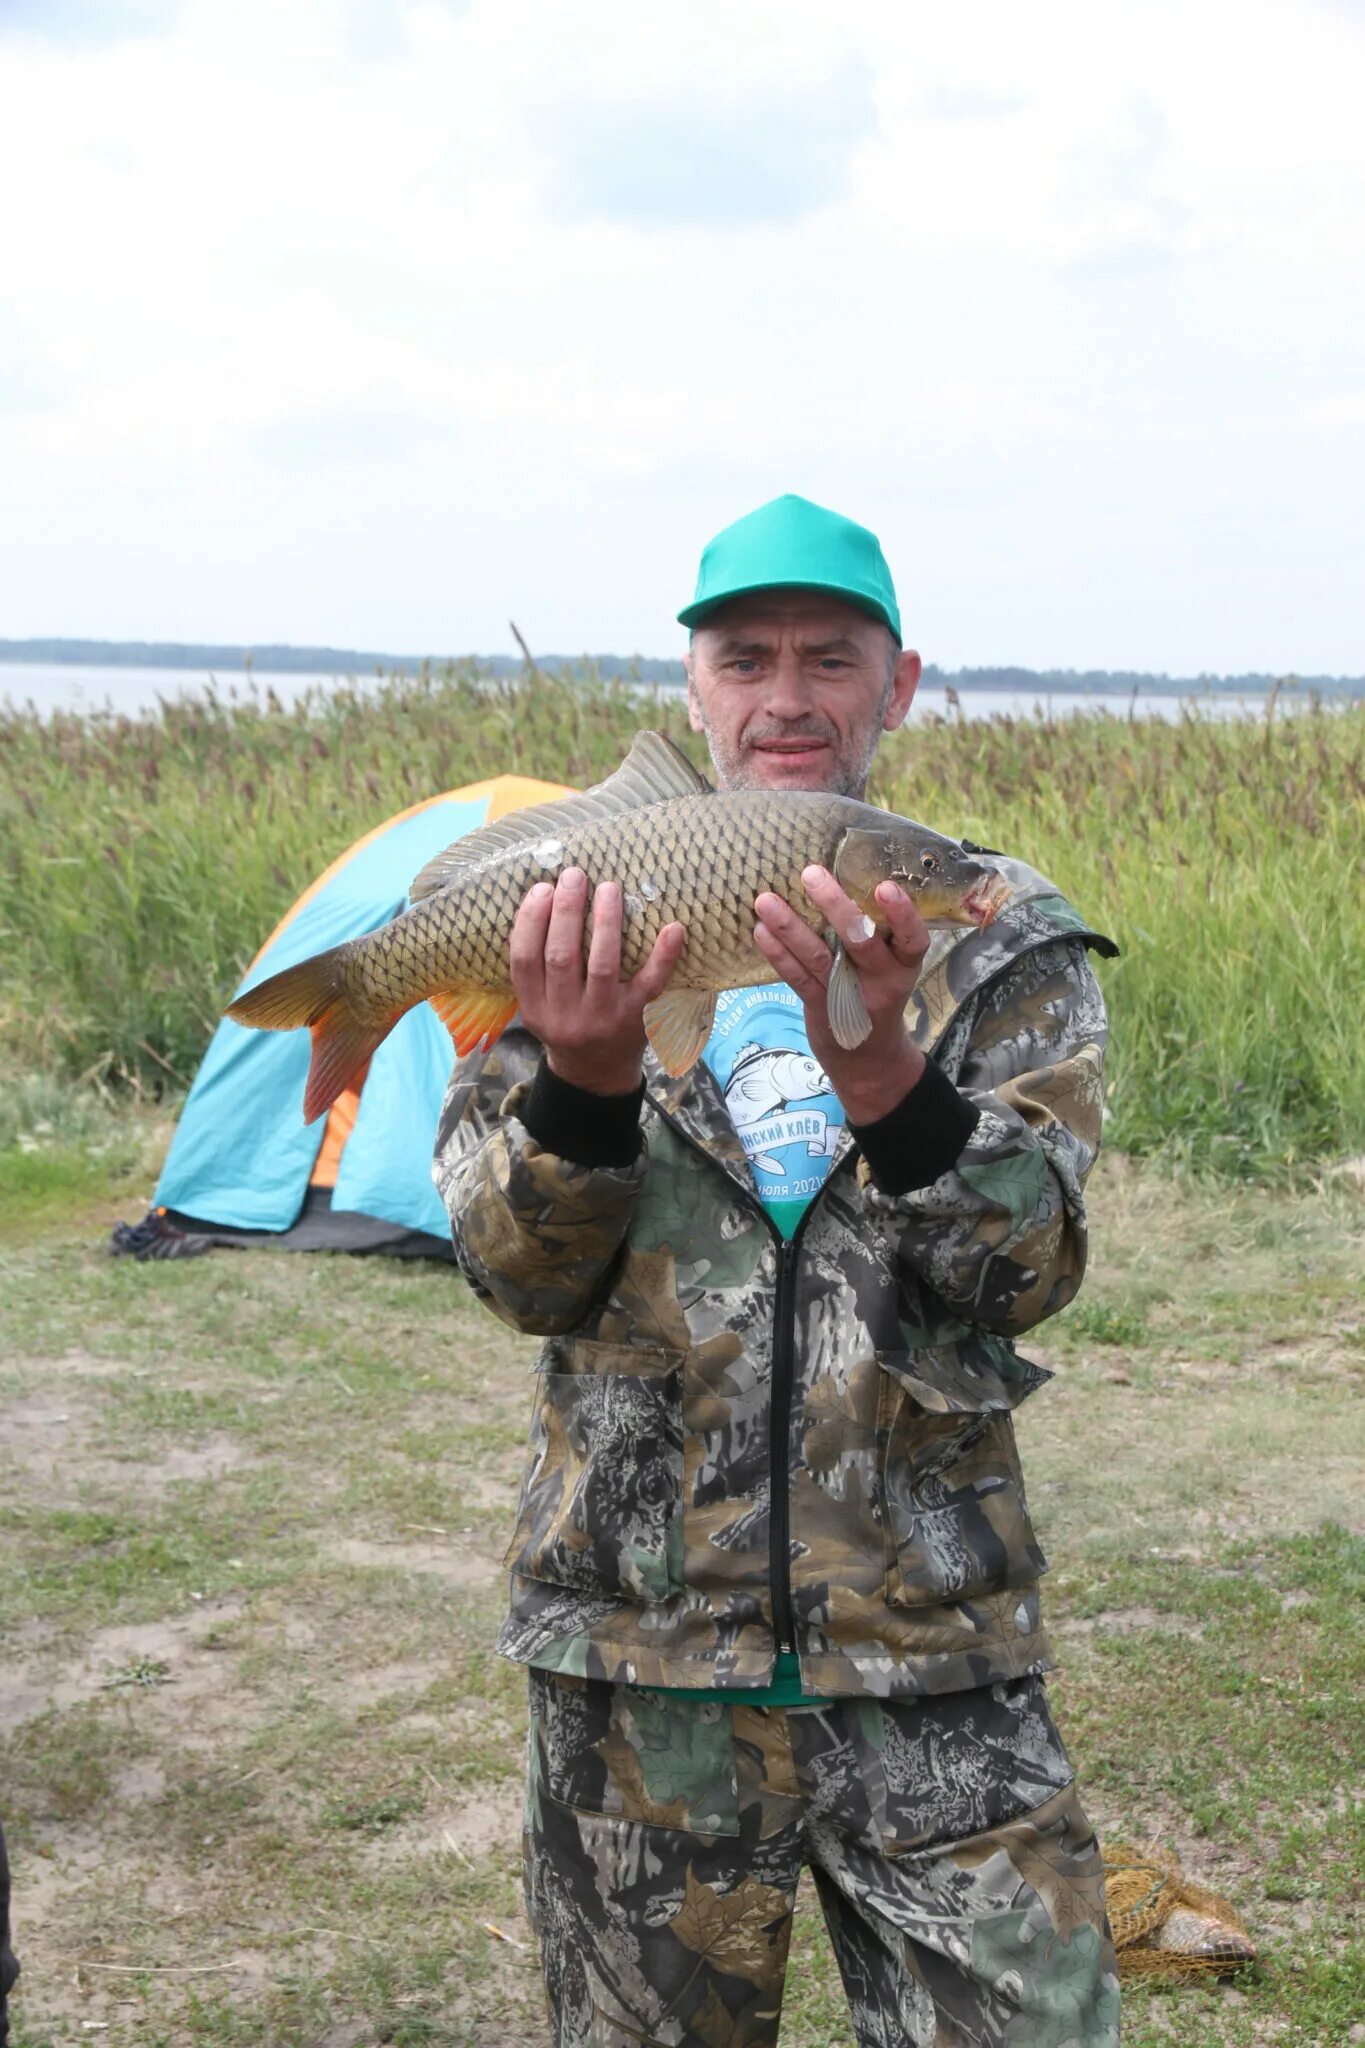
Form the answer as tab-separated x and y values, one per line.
243	1167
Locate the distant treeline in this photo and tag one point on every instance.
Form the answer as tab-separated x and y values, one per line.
352	661
324	661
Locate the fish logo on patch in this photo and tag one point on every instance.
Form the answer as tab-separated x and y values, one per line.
764	1082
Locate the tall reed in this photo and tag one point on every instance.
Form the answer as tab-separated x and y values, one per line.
142	860
1225	858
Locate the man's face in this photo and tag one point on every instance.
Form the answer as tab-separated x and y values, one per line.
794	689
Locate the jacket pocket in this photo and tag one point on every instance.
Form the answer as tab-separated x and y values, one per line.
951	1492
601	1502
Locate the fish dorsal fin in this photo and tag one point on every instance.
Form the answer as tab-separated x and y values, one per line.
653	771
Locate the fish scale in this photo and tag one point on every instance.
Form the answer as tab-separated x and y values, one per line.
680	852
707	857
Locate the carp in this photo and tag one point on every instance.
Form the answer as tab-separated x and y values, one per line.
680	851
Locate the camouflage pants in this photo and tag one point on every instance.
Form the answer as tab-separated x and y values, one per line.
960	1880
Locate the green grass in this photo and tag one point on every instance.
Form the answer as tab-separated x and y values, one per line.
143	862
1233	1713
67	1147
252	1511
41	1186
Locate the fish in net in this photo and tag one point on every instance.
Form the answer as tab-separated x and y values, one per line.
1165	1925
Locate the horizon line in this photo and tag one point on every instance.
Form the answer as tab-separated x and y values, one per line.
60	651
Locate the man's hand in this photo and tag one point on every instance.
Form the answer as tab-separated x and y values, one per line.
879	1073
588	1019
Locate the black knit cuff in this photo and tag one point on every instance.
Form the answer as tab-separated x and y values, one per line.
575	1124
921	1137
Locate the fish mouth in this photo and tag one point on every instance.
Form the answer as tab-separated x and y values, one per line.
984	902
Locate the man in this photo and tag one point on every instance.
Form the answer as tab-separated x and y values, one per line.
773	1572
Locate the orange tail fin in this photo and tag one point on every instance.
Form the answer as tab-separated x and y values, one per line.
310	994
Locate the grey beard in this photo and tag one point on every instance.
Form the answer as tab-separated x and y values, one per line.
848	772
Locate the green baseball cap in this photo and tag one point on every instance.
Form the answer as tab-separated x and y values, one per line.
792	544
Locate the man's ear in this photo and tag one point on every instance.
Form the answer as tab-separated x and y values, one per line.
904	684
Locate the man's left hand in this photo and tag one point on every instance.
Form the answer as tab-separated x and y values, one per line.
879	1073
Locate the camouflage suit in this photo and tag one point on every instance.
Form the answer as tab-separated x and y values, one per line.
739	1445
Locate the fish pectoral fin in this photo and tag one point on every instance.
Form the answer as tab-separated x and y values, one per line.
474	1017
653	771
678	1024
848	1017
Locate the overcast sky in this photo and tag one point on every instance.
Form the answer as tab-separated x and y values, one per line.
377	323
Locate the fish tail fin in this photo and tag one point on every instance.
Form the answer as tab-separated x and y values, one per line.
311	994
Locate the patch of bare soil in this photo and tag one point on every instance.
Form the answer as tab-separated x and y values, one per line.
502	1396
443	1560
43	1426
71	1859
496	1492
363	1689
169	1664
82	1365
488	1824
53	1453
1130	1621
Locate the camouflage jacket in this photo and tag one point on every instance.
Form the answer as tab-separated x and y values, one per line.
739	1445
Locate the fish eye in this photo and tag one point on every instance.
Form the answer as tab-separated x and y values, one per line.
928	861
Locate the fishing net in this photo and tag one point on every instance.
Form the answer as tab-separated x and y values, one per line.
1165	1925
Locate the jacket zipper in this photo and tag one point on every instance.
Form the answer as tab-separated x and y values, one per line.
779	1449
783	1388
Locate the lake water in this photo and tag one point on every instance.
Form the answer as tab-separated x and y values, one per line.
66	687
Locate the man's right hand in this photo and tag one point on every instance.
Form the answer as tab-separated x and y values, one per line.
590	1021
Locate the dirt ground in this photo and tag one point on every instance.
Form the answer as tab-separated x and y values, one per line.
261	1770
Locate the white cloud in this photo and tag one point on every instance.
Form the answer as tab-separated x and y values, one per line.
367	323
722	159
1338	409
